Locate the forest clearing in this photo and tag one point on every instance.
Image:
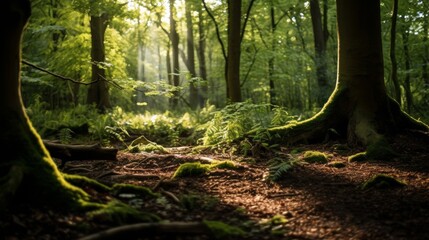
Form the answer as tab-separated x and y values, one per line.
212	119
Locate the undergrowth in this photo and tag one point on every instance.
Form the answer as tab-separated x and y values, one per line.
209	126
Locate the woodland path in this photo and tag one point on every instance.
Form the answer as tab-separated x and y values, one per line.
318	201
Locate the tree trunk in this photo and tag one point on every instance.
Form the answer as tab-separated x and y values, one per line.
271	61
407	82
359	108
98	92
320	52
174	37
234	52
202	59
193	90
394	72
29	172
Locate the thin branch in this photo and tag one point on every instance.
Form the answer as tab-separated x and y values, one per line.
250	68
249	8
56	75
225	56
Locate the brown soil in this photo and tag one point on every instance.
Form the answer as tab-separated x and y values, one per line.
317	200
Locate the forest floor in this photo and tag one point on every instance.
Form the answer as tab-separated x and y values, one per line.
312	201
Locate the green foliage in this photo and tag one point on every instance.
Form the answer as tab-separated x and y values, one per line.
280	166
221	230
315	157
237	119
382	181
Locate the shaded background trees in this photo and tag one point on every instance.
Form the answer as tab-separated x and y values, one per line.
288	54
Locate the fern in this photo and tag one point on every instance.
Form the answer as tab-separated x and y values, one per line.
65	135
279	167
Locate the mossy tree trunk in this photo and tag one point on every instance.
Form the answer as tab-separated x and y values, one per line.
28	172
359	107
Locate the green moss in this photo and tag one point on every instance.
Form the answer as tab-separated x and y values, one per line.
337	164
191	169
116	212
225	165
381	150
198	169
221	230
383	181
82	181
358	157
144	192
315	157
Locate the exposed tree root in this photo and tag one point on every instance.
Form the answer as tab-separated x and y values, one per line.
339	118
133	231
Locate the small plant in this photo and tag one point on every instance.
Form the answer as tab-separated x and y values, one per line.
279	167
315	157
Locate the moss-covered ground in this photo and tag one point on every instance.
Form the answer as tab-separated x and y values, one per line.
332	196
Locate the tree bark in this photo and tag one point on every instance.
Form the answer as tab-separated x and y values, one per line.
98	92
394	71
320	52
193	90
234	52
174	37
30	172
202	58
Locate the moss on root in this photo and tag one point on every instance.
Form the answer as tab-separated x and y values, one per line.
120	213
221	230
315	157
358	157
382	181
197	169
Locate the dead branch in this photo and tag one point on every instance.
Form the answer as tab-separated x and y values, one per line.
134	231
66	152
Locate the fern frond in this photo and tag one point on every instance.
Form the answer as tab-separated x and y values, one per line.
279	167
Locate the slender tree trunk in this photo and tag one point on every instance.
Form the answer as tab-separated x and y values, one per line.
174	37
320	52
394	72
407	59
234	52
271	61
193	90
202	59
425	58
98	92
169	70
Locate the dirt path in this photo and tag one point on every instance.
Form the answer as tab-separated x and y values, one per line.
314	201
